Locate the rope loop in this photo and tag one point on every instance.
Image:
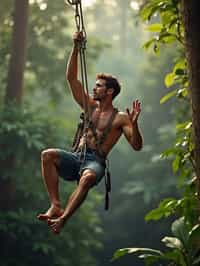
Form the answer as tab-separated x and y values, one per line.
78	21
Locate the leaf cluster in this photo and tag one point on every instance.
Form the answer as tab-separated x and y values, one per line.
170	28
24	133
183	244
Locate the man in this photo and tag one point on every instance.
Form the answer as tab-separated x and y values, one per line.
56	162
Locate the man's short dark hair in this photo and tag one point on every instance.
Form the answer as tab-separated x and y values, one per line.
111	82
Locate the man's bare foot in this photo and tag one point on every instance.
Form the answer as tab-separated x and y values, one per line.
56	224
53	212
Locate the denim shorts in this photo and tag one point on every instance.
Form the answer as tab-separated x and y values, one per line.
70	166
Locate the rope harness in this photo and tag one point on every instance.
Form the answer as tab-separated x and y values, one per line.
99	140
86	117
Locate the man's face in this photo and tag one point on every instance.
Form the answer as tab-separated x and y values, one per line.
100	90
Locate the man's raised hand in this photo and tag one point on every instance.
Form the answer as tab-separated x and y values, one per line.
135	112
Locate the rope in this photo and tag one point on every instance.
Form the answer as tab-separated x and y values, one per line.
79	20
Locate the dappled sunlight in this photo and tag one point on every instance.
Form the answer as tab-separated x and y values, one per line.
134	5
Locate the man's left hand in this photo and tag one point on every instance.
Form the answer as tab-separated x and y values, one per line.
135	112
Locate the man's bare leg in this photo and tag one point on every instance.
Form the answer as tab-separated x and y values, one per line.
49	160
86	182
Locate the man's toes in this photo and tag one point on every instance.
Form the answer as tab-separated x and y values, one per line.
50	222
43	217
54	226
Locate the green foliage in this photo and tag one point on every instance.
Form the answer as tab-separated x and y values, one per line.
30	241
149	252
167	28
49	42
24	133
178	79
43	121
185	251
170	206
166	208
170	28
182	152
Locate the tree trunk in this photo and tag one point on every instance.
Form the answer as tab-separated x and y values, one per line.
191	19
14	90
14	93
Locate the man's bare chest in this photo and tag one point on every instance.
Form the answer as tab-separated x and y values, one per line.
103	120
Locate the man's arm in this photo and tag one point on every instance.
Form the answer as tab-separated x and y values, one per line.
132	133
130	127
72	75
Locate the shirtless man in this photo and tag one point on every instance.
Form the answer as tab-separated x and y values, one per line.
56	162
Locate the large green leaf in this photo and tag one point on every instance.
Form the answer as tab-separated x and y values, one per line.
166	37
156	27
167	18
173	242
120	253
147	12
180	230
148	43
136	251
184	126
181	64
176	163
177	257
149	259
165	208
167	96
169	79
170	152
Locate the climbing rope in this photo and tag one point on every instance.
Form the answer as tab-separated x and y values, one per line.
82	55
